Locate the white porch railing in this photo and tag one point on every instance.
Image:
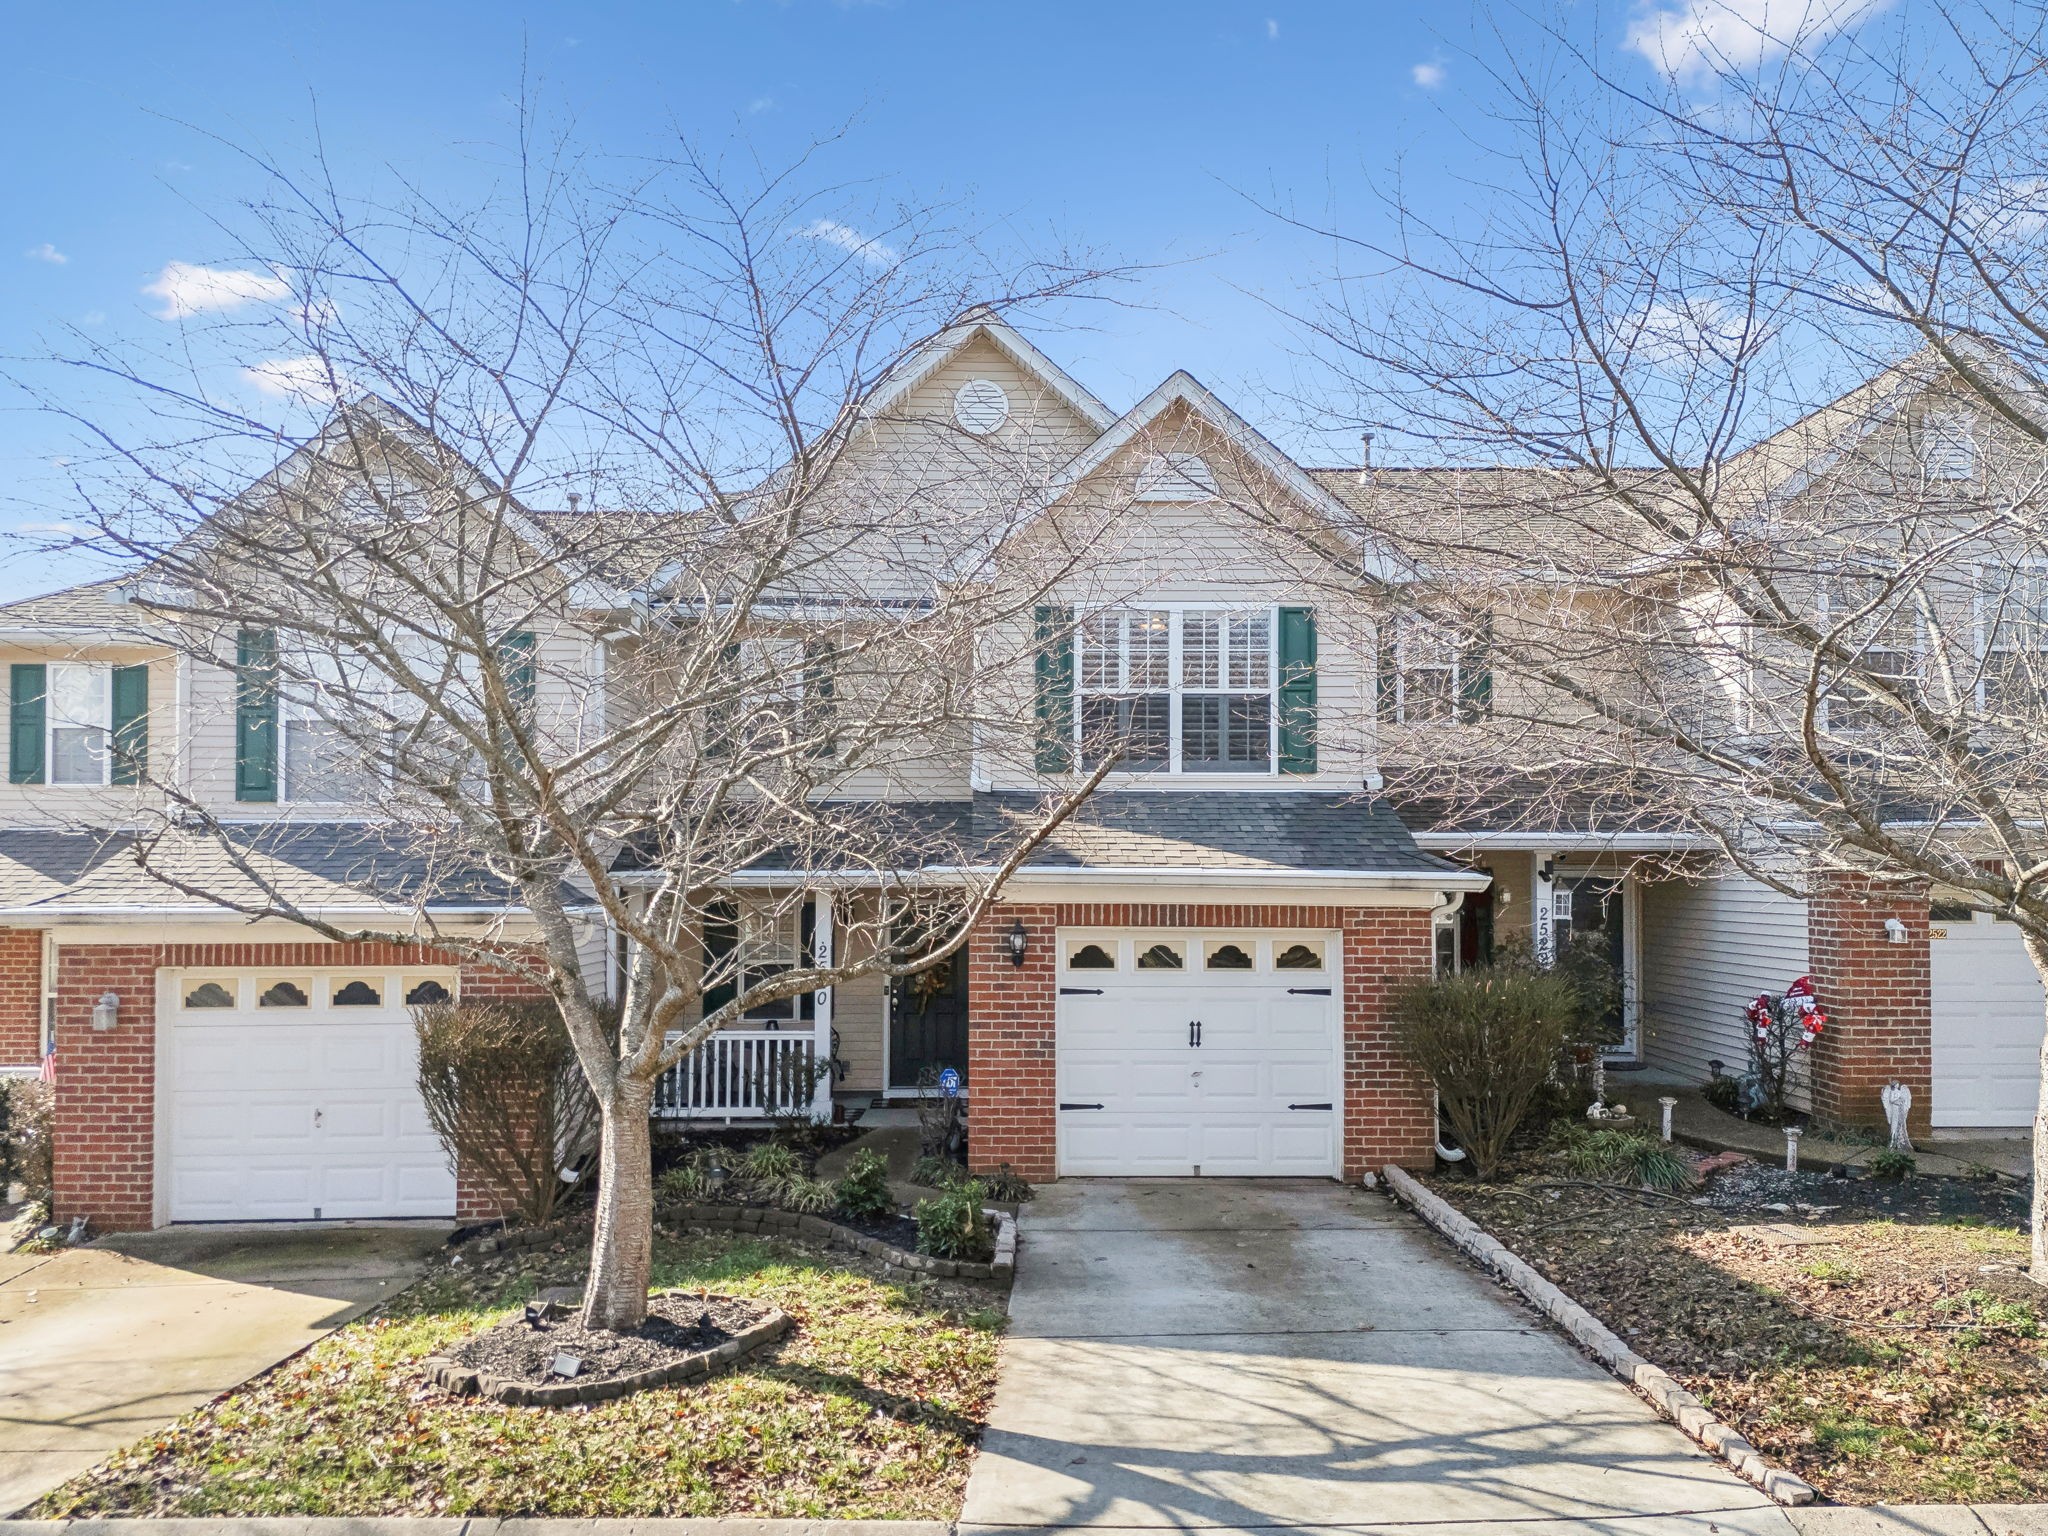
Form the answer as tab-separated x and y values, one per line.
745	1074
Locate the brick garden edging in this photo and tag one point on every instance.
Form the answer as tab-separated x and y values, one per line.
899	1263
467	1381
1598	1340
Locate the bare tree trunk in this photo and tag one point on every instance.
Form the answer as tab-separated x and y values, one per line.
622	1238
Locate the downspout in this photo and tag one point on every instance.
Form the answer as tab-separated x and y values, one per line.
1452	901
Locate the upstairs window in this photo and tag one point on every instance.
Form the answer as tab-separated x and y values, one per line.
1178	689
2015	629
1948	446
1432	674
1177	477
1878	635
78	724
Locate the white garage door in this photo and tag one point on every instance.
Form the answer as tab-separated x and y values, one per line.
1198	1053
1987	1025
293	1098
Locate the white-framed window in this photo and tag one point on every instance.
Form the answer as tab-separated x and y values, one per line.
319	763
1176	477
1431	674
1880	633
1181	688
770	940
1948	445
2013	621
77	718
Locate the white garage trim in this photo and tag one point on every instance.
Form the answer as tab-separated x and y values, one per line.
1987	1025
394	1167
1230	1064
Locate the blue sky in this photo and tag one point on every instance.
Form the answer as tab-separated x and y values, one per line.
1137	129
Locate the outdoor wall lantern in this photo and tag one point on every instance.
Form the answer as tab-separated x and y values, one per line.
1895	930
1020	941
106	1013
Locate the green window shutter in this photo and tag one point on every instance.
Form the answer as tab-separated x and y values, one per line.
131	725
256	715
1053	688
721	938
1475	674
27	705
1390	670
516	653
1297	690
821	696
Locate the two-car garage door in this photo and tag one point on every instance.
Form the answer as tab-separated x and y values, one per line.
1199	1053
294	1096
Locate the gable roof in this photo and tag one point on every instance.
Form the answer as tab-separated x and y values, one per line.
1181	388
943	348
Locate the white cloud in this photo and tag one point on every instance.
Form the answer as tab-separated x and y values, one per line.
46	252
761	104
93	317
306	380
1689	331
189	289
1698	37
49	530
1272	28
847	238
1428	74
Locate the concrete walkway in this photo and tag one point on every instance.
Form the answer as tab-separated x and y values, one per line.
99	1345
1240	1354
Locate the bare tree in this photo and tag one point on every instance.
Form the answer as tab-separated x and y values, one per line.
753	653
1734	395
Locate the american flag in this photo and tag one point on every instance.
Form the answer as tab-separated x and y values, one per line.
49	1072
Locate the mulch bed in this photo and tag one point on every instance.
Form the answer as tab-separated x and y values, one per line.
1879	1338
677	1325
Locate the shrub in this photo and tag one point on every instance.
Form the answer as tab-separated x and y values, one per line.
952	1225
807	1196
1630	1155
504	1093
695	1180
769	1164
28	1147
864	1193
1724	1093
1006	1187
1489	1039
937	1172
1892	1163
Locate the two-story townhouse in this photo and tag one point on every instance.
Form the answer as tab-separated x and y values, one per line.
1189	977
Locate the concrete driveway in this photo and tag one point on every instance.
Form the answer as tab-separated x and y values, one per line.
99	1345
1242	1354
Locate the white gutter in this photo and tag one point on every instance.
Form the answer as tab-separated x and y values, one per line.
226	914
1440	880
1552	842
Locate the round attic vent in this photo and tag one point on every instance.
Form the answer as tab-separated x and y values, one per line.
980	406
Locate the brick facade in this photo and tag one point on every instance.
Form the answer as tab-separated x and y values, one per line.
1879	1000
21	996
1010	1051
106	1080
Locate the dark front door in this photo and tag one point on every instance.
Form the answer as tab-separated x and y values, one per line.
928	1022
1600	908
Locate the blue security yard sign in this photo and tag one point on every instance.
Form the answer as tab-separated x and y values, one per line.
949	1083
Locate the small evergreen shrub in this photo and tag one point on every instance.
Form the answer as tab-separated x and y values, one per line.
1892	1163
807	1196
694	1181
770	1163
1006	1187
1620	1154
937	1172
952	1225
864	1193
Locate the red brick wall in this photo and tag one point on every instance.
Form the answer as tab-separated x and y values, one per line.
21	996
106	1080
1010	1049
1878	997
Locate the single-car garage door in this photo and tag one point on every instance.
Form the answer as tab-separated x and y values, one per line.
1199	1053
293	1097
1987	1025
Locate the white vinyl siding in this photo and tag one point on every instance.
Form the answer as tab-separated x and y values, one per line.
1707	950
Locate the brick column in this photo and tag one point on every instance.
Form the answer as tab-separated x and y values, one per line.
21	996
1387	1103
1012	1114
1878	997
105	1162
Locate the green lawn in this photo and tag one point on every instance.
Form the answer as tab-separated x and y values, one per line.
871	1408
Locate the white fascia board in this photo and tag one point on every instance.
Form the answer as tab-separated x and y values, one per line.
1566	842
88	913
1151	876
